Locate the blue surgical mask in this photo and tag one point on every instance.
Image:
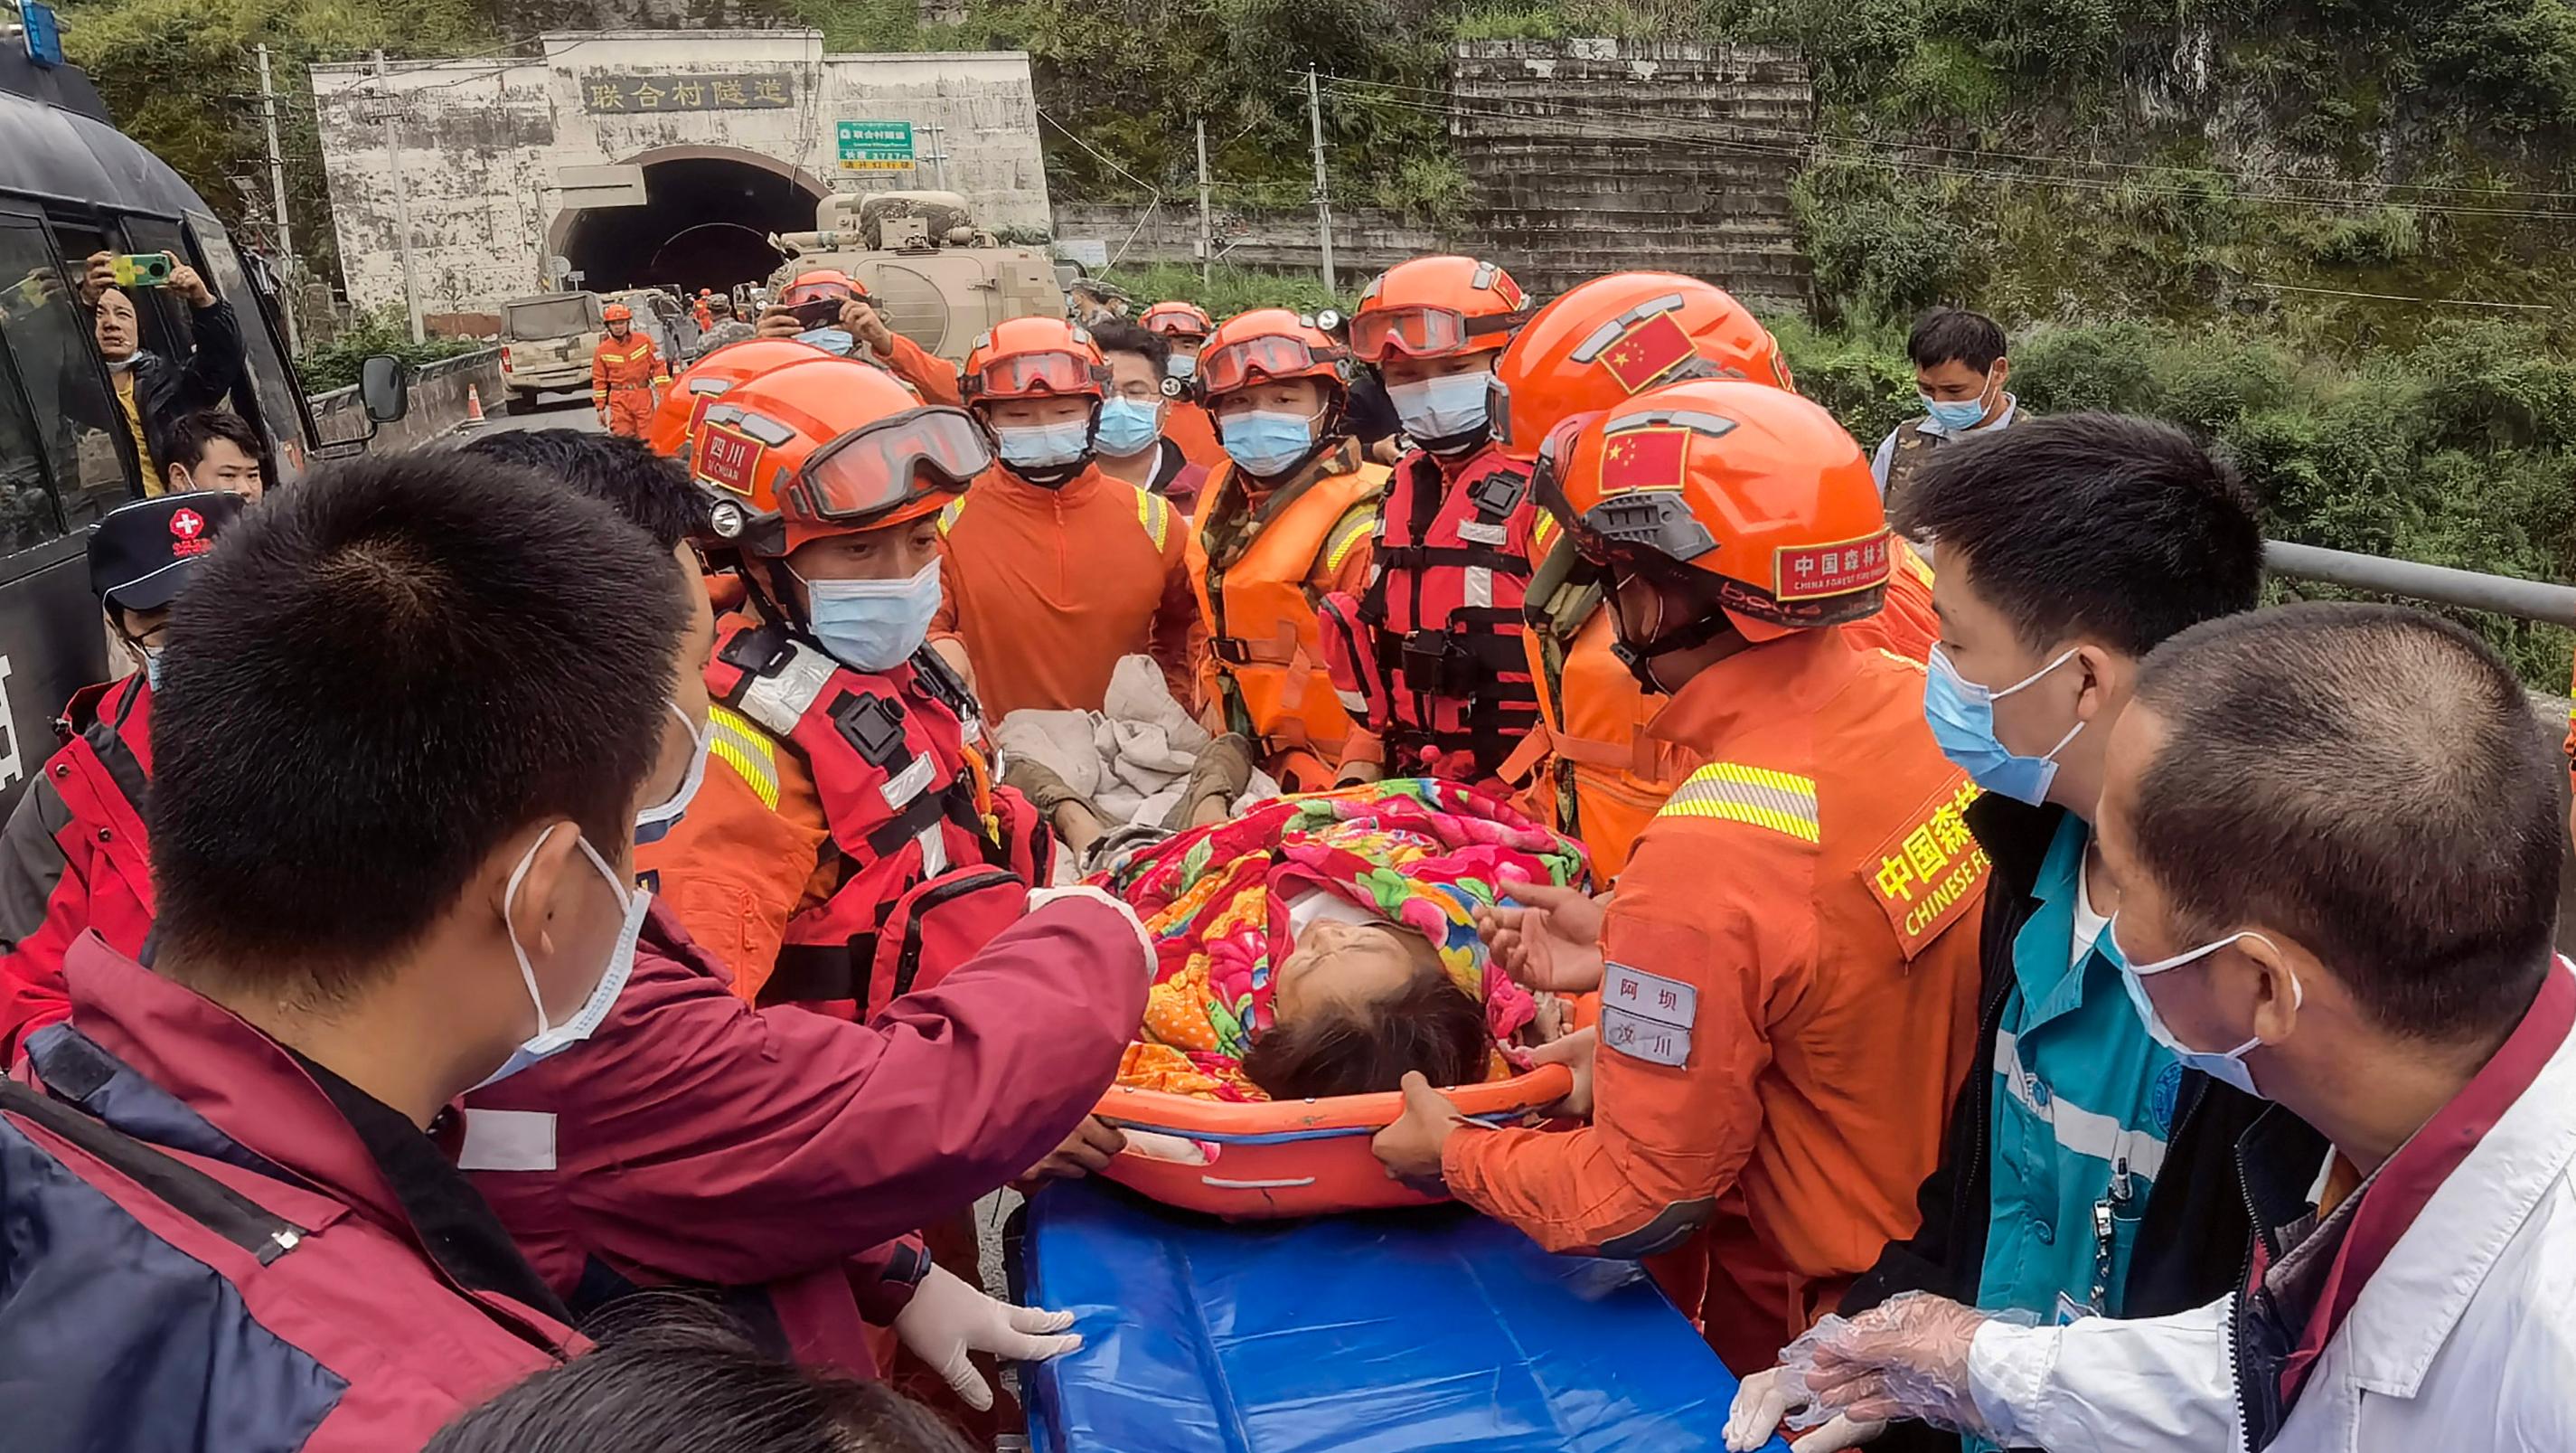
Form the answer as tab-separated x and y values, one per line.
1442	408
655	823
1267	444
2228	1067
152	667
1962	715
551	1038
1182	365
1129	426
874	625
1959	417
1043	446
830	340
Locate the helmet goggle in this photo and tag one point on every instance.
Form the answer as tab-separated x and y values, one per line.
871	471
818	290
1273	355
1052	371
1424	331
1174	322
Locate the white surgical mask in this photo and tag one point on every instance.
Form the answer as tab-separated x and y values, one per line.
2228	1066
655	823
552	1038
1441	408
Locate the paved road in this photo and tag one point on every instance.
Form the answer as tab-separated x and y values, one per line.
553	411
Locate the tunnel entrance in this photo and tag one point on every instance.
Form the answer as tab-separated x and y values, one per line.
703	224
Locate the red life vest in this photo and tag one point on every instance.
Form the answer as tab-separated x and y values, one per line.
1436	667
933	859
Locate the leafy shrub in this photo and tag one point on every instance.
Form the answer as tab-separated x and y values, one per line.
1881	244
386	330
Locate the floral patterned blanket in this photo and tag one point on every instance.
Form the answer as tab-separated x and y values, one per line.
1422	853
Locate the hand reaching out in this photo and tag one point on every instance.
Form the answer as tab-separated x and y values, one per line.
1546	937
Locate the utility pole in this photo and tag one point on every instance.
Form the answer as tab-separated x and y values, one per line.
402	198
1323	191
277	199
1207	238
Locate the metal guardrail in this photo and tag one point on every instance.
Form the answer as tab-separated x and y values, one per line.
2531	600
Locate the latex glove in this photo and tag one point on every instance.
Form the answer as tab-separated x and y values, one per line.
1904	1358
1574	1051
947	1319
1765	1398
1410	1148
1546	937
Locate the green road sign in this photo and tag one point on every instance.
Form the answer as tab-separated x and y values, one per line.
876	146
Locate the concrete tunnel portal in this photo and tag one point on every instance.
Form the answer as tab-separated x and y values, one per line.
704	223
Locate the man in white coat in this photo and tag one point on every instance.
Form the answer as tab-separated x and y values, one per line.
2335	836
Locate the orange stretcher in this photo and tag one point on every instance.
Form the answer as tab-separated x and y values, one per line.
1270	1159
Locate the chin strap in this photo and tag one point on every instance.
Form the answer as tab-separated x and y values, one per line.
1051	476
1640	659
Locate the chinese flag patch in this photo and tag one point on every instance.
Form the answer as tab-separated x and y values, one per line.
728	458
1651	348
1648	458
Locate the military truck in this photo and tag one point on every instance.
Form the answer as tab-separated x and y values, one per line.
937	278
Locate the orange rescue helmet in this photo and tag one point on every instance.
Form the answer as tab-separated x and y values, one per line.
1433	307
1176	319
617	313
1728	478
1265	346
1023	358
817	284
828	446
684	403
1613	337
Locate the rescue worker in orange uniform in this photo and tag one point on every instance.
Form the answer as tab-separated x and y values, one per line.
1599	766
832	310
847	844
1428	658
1788	971
1184	329
1054	570
1282	524
627	375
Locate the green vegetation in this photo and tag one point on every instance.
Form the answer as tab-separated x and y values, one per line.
335	364
1230	291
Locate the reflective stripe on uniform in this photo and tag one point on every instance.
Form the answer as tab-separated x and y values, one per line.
1780	801
949	512
2081	1131
1154	513
736	742
1355	527
1542	531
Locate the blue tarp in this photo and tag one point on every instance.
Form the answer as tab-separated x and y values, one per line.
1413	1330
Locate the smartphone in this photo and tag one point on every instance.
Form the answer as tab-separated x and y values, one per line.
818	313
141	269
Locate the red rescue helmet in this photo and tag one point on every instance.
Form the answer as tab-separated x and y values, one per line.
828	446
1728	478
820	283
1176	319
1616	336
684	403
1025	358
1433	307
1267	345
617	313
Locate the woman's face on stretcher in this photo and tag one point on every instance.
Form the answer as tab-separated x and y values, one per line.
1348	965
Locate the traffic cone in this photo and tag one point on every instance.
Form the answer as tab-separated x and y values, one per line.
473	404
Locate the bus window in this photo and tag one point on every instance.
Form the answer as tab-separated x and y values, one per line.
268	396
83	431
164	313
29	515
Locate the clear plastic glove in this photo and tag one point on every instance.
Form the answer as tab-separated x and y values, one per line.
1546	937
1905	1358
1765	1398
949	1319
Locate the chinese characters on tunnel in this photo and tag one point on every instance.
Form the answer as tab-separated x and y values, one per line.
603	91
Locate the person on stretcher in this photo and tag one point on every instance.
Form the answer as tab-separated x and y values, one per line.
1325	944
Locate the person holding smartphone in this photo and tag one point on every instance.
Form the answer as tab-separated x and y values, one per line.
153	390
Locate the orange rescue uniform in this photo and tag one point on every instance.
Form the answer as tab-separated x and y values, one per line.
1789	1004
753	852
931	376
1599	764
1049	587
627	376
1259	560
1193	428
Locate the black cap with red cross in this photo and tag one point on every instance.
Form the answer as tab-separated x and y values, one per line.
143	554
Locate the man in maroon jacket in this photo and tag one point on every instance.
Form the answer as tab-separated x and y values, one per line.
71	858
696	1140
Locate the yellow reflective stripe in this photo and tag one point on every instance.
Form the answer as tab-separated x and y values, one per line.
1355	524
740	744
1780	801
1154	513
949	512
1542	531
